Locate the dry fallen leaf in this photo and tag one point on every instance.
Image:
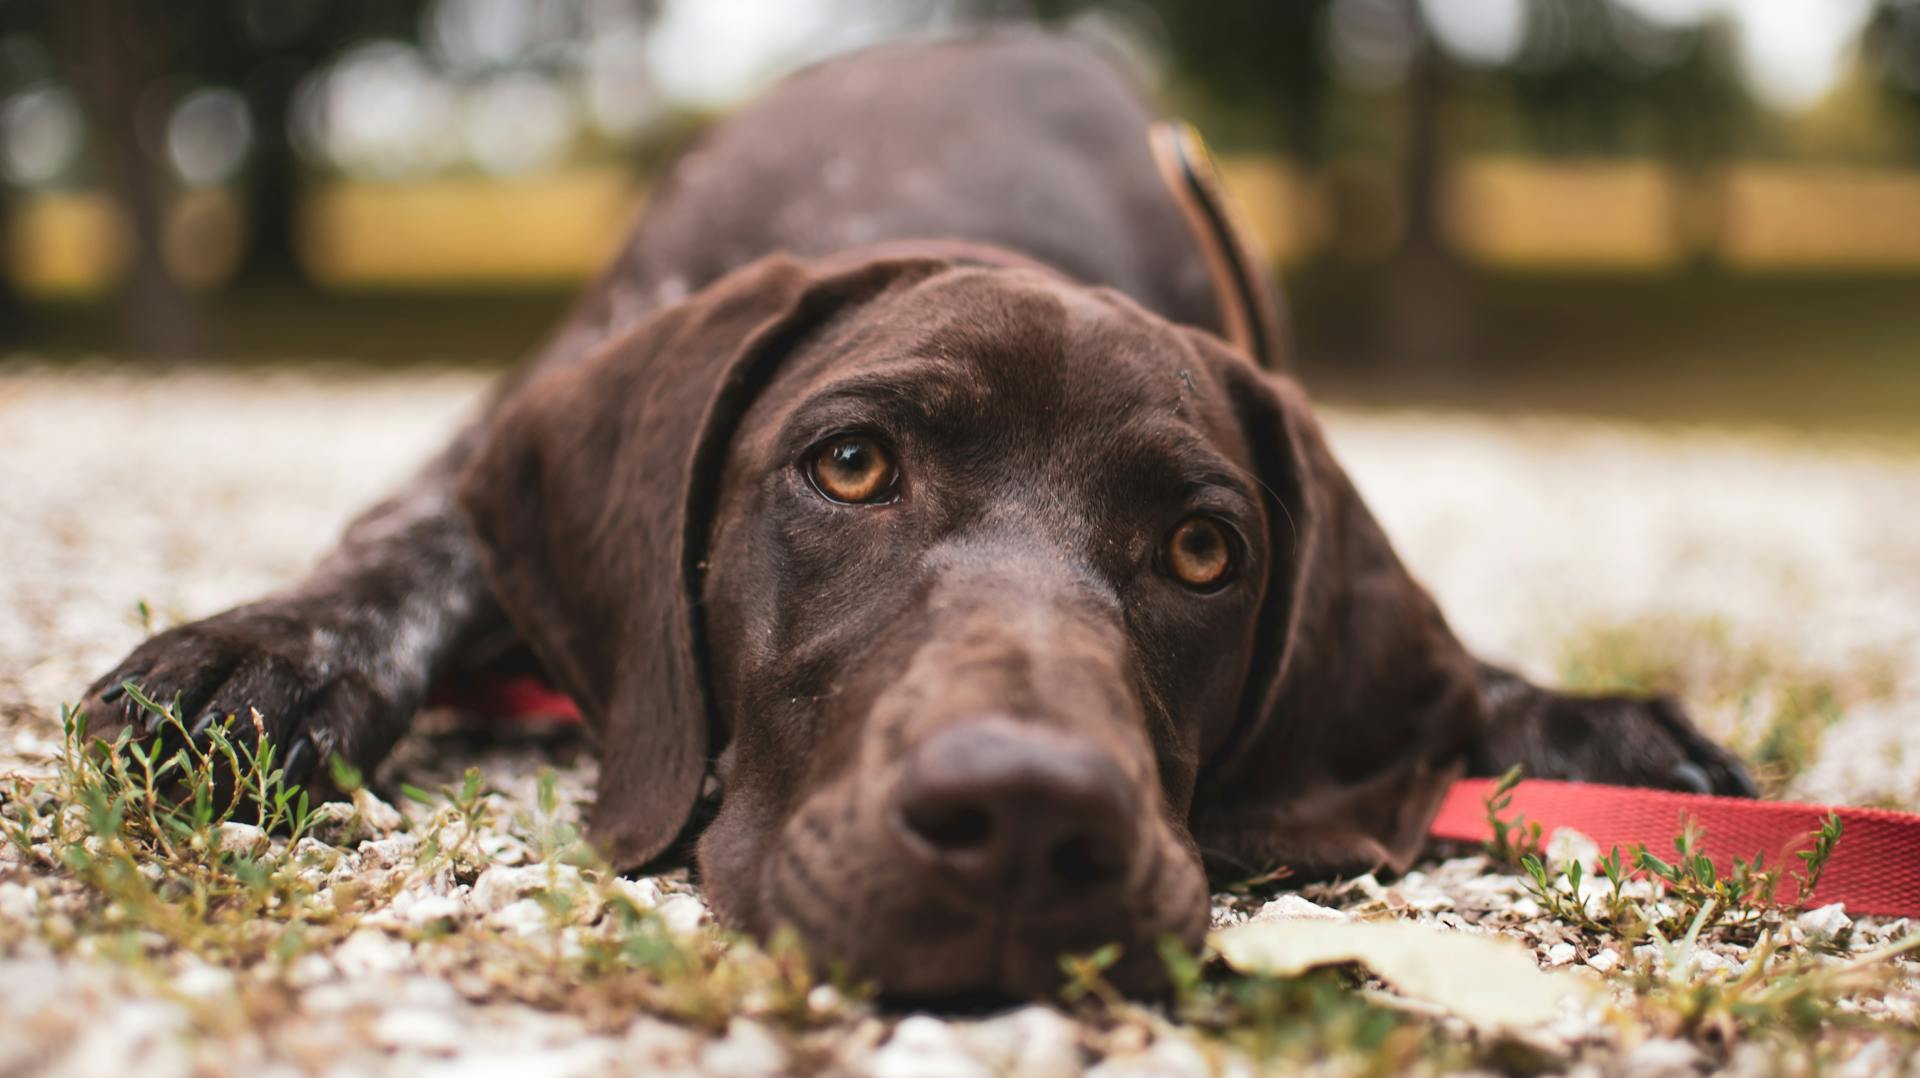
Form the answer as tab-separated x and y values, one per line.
1486	980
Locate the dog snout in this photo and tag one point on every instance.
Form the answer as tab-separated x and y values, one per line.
1017	818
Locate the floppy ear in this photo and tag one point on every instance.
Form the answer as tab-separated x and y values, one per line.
1360	703
591	498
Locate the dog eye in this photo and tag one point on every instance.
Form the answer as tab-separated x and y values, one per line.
1199	553
853	469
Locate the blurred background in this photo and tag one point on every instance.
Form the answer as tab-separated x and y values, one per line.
1701	209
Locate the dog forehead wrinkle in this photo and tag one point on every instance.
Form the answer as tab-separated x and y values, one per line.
923	386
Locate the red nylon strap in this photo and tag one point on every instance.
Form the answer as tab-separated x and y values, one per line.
1875	869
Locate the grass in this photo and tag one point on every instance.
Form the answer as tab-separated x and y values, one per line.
1795	988
206	851
1686	894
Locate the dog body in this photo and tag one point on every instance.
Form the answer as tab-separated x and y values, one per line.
896	473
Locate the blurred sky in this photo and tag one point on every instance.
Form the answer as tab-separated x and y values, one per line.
477	88
1792	51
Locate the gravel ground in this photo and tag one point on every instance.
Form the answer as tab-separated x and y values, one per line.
1737	564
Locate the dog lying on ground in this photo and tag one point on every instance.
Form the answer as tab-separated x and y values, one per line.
898	475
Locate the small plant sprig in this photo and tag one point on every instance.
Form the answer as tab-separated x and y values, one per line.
1798	1000
168	855
1685	890
1086	976
463	810
1323	1019
1264	881
184	836
1516	839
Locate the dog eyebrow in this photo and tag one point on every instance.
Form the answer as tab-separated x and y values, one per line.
925	386
1181	460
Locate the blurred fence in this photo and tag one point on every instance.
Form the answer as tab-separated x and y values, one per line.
1499	212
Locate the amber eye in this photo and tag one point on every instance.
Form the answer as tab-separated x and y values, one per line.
1199	554
853	469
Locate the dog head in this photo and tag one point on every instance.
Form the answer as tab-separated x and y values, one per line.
1002	602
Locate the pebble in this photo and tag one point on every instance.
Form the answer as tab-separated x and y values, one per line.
682	912
309	970
1166	1057
503	849
420	1029
1417	896
332	822
434	908
525	917
201	981
924	1047
1828	922
243	839
1567	846
1033	1042
377	814
18	901
1562	953
393	852
748	1050
1663	1059
1292	907
503	885
591	1056
644	892
370	952
1606	960
652	1045
1708	960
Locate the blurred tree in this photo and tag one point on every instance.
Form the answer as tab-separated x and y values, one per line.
112	47
1891	46
131	63
22	61
1426	286
13	312
1594	77
1252	56
264	49
1272	60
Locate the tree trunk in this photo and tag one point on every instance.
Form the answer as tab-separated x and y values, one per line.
273	179
115	51
1427	311
13	307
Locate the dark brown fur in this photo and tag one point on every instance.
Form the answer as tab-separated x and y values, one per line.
964	250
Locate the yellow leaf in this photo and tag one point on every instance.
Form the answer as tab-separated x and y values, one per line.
1487	980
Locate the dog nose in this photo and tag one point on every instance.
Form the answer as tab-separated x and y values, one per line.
1016	816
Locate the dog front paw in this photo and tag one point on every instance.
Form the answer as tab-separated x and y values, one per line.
294	671
1616	739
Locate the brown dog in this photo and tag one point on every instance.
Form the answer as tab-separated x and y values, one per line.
893	475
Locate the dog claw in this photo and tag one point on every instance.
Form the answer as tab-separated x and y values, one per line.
296	757
1691	777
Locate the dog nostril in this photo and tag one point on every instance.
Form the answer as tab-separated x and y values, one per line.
950	827
1083	863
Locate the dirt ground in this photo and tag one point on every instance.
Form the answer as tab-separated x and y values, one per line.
1771	578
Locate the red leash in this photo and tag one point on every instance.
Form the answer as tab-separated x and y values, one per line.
1875	869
